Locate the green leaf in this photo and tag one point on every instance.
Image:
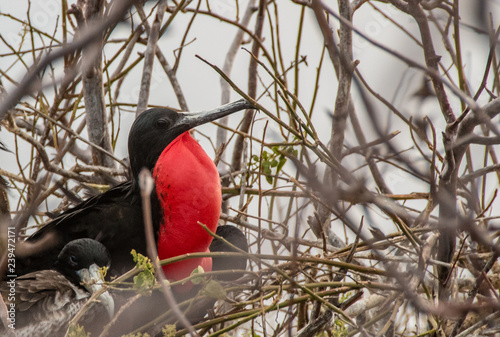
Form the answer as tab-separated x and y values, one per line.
214	289
198	271
281	163
269	179
103	271
145	280
77	331
169	330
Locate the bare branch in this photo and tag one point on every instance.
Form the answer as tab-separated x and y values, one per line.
154	34
252	88
29	82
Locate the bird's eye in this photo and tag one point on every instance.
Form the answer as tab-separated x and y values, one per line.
161	123
73	259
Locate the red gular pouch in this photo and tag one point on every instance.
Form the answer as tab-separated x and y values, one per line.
188	188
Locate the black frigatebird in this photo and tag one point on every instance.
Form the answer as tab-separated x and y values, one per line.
46	300
187	191
236	238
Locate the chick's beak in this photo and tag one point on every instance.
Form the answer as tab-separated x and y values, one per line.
92	281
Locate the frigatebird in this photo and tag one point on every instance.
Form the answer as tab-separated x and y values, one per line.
141	313
115	217
236	237
45	301
189	192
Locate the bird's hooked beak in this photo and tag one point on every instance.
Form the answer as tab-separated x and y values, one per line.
189	120
92	281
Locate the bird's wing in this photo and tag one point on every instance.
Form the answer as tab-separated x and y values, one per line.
45	302
93	204
113	218
46	289
44	295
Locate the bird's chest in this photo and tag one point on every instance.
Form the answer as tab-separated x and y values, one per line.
188	189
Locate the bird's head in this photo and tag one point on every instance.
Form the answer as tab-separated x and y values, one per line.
154	129
80	261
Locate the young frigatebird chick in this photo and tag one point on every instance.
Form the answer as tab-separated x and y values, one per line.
45	301
115	217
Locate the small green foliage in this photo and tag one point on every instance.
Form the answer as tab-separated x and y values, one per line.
139	334
267	163
339	329
103	271
345	296
145	280
169	330
214	289
198	273
272	161
77	331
